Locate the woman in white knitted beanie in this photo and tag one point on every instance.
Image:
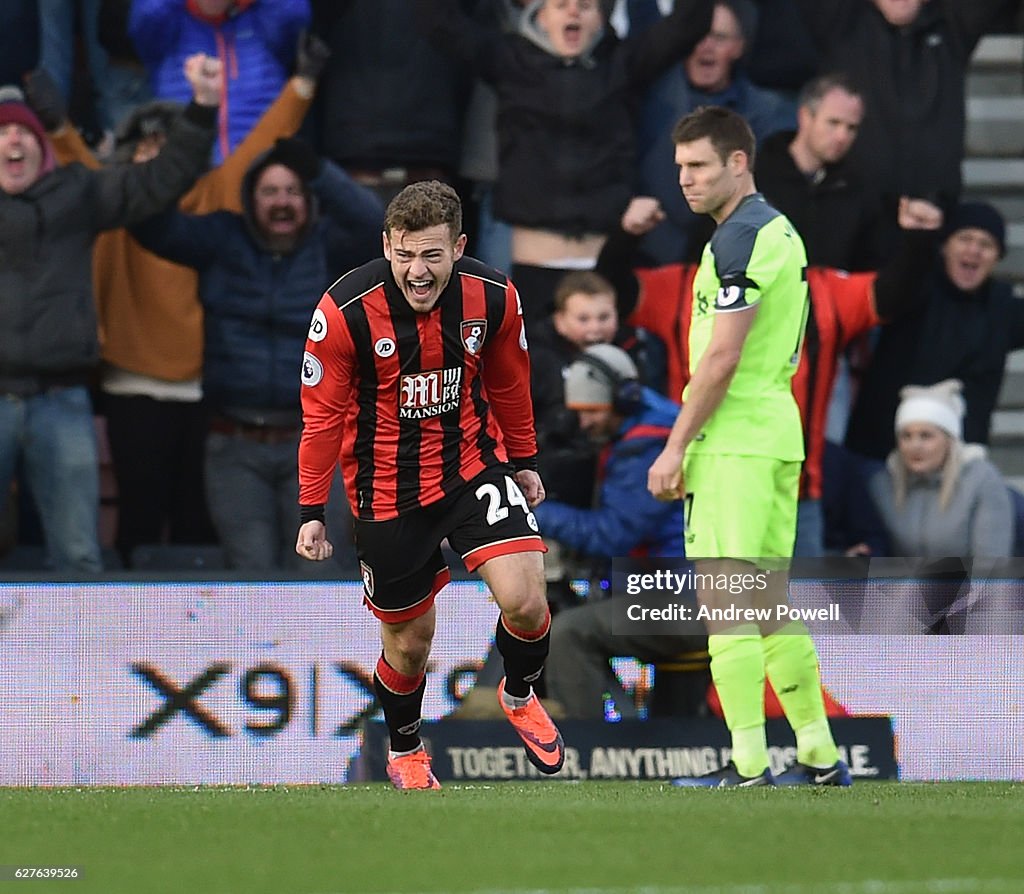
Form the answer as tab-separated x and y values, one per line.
938	497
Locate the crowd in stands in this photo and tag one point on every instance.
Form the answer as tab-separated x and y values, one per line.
180	181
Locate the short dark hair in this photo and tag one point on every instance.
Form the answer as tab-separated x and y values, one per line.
813	92
425	204
586	282
728	131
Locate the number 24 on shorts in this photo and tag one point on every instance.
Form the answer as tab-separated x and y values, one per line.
496	512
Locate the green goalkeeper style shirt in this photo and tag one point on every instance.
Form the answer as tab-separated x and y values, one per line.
755	257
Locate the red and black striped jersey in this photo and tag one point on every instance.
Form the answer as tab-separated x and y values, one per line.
412	404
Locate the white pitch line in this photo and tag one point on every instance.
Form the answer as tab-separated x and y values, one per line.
867	886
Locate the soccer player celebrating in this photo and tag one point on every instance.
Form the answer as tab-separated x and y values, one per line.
416	378
735	450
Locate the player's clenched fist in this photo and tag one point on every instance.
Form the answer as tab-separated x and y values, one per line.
665	476
312	543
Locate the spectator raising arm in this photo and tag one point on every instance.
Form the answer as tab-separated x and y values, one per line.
126	194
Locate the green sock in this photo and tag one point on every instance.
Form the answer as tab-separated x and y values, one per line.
737	667
792	665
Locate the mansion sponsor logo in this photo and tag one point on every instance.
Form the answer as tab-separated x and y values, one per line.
429	393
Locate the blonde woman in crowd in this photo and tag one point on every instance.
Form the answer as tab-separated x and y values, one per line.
941	499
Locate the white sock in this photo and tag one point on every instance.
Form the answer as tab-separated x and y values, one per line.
514	701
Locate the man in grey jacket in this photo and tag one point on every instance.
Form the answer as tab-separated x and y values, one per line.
49	343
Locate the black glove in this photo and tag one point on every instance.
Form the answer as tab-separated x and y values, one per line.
311	57
299	156
45	98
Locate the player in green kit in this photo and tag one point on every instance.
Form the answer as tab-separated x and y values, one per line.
735	451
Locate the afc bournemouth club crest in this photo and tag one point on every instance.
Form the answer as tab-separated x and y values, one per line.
473	334
367	578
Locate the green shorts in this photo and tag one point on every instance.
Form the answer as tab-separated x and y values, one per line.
740	507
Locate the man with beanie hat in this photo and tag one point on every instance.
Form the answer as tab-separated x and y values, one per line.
258	272
632	422
964	330
978	216
49	346
22	130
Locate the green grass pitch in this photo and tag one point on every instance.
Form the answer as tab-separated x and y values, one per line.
584	838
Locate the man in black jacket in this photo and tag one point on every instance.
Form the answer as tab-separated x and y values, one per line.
49	344
970	323
391	106
566	87
910	58
807	175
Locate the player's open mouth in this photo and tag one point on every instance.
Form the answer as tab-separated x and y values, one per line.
421	287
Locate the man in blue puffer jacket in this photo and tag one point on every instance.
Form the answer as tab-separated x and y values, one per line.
633	422
255	41
260	276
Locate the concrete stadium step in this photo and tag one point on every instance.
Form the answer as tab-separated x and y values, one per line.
1007	425
1007	440
1010	206
1011	268
998	52
994	172
1008	456
993	125
993	175
995	83
1011	395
